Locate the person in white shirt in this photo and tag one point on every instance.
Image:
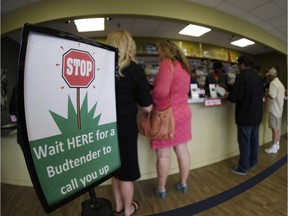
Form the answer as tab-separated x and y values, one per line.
275	95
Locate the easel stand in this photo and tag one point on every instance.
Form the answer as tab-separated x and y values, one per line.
96	206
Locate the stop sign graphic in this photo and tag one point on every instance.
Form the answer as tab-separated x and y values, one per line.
78	68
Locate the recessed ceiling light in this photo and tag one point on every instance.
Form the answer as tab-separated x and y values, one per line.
90	24
194	30
243	42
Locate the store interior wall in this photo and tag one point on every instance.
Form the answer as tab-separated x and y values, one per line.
277	60
59	9
9	61
10	49
202	117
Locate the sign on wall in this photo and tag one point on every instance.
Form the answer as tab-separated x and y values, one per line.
67	116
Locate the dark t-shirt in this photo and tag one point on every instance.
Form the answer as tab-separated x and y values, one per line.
247	93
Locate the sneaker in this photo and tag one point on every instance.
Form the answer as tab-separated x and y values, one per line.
253	167
272	149
237	170
278	146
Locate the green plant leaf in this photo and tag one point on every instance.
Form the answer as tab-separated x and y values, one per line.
70	123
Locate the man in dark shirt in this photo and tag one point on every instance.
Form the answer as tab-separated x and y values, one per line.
248	95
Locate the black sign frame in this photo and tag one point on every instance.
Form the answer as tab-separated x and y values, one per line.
22	128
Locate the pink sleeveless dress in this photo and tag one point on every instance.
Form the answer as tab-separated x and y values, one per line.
179	98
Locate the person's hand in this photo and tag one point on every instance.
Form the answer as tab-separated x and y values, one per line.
226	94
147	109
266	94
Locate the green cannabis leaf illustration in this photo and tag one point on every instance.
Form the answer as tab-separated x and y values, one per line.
70	123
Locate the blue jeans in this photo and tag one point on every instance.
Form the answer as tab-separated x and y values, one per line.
248	140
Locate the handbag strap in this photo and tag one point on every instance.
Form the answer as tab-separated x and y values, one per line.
171	81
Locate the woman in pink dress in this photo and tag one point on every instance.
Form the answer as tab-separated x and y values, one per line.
171	56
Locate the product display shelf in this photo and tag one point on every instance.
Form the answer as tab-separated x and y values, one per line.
200	65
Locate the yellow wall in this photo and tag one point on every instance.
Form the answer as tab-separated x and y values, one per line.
185	11
194	49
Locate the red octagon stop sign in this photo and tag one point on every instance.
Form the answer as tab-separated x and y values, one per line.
78	68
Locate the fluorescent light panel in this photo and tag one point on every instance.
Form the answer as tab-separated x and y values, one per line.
194	30
243	42
90	24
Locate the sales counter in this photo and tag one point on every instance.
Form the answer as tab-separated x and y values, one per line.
214	138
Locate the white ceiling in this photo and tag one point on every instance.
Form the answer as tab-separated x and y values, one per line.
271	15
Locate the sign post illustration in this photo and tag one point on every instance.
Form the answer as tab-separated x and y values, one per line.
78	72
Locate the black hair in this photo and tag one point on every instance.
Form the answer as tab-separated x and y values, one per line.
217	65
245	60
257	68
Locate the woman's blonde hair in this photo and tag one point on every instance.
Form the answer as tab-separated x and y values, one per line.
123	40
173	52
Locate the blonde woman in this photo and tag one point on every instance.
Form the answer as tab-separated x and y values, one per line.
132	90
174	89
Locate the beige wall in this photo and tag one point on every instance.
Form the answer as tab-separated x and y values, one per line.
277	60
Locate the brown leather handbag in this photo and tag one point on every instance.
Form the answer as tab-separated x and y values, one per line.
158	124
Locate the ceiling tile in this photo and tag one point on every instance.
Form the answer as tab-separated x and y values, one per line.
250	18
145	24
282	4
230	8
247	5
279	21
283	30
266	26
142	33
119	23
267	11
167	26
209	3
